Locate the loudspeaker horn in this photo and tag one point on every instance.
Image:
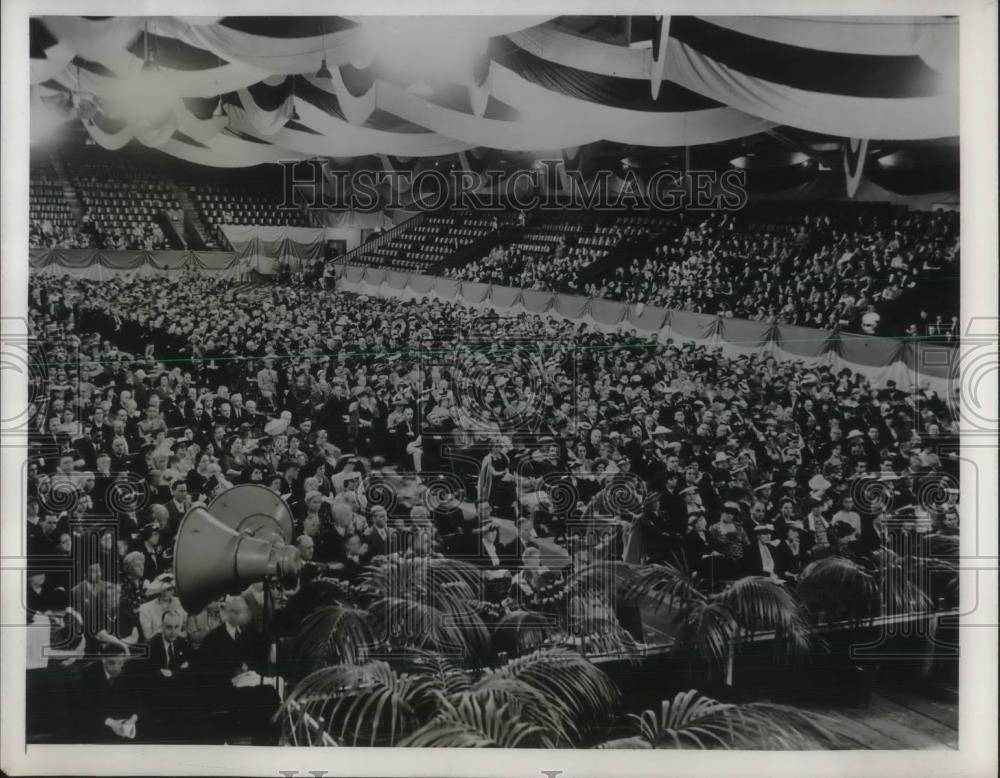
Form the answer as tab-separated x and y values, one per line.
247	540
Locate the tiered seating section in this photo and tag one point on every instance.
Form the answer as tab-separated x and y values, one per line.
219	204
550	252
431	241
50	215
120	204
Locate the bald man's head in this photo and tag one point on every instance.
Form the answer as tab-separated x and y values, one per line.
343	516
236	612
159	514
306	547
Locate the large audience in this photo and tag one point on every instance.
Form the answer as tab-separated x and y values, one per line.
845	274
555	253
398	429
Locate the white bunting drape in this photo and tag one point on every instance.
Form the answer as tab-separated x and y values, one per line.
884	36
899	118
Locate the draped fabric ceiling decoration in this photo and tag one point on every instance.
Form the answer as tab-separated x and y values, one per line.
240	91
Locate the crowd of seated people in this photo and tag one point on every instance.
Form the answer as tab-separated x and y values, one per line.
553	253
51	222
735	465
667	452
121	204
815	273
119	210
848	274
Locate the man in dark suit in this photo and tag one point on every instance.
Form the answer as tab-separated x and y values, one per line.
106	707
379	538
176	508
231	654
168	666
790	555
169	651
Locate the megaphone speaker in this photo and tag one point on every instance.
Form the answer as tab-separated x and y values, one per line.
213	557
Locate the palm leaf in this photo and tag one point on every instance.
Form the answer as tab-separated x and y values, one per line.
836	588
332	635
705	634
448	625
528	703
567	680
759	604
606	581
662	586
357	704
691	720
522	631
478	723
427	577
442	676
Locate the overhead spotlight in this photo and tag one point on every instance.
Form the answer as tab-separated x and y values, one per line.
324	71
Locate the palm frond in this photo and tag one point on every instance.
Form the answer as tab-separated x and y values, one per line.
902	590
943	546
567	680
444	677
837	588
316	594
705	635
605	580
759	604
421	577
449	625
662	586
331	635
528	703
522	631
364	704
692	720
478	723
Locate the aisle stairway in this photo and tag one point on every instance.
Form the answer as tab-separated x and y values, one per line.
69	192
196	233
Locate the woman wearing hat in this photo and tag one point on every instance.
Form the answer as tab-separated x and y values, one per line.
730	540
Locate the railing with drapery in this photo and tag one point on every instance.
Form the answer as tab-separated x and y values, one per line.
100	264
265	249
908	362
381	239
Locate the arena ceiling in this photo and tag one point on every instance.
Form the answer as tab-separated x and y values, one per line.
767	91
